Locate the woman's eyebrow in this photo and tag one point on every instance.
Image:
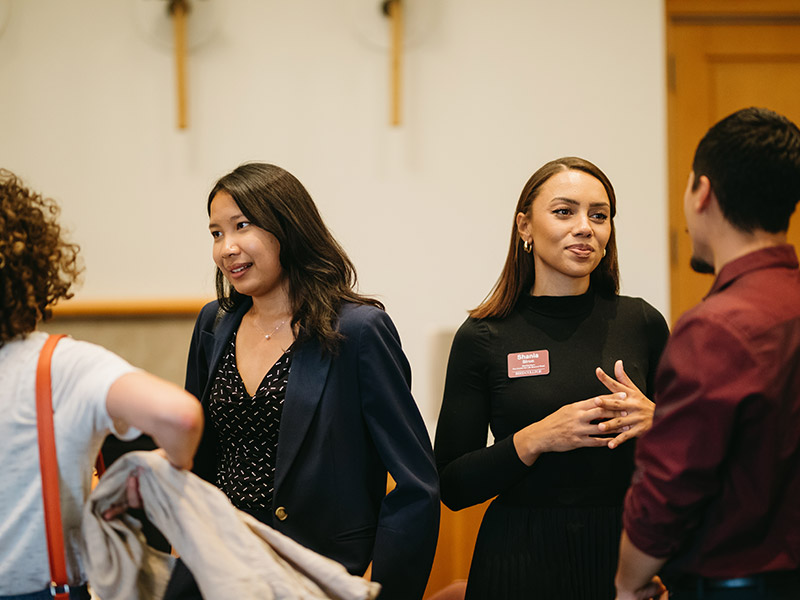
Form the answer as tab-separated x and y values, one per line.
576	203
232	218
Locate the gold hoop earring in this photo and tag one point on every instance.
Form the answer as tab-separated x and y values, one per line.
526	245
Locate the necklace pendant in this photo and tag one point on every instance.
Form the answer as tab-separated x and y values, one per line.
268	336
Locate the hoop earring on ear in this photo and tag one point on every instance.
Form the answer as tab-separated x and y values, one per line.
526	245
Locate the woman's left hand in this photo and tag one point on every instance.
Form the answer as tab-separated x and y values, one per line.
636	409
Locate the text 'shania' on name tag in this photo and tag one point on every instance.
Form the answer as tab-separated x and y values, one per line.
528	364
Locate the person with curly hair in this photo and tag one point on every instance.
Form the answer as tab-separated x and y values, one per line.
94	393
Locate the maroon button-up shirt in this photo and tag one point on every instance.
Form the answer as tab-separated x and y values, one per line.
717	486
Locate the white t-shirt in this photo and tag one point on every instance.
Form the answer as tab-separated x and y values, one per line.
81	374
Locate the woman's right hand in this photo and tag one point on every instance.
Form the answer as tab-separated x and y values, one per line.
567	428
133	499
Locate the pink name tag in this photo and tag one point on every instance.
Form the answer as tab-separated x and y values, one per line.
527	364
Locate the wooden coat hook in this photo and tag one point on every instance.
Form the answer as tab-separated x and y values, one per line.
179	27
179	10
394	10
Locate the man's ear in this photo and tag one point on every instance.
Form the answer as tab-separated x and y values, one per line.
702	194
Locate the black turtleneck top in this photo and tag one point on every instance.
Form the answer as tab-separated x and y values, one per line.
579	333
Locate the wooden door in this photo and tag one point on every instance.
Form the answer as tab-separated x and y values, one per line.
723	55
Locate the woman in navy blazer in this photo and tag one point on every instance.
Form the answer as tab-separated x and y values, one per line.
306	391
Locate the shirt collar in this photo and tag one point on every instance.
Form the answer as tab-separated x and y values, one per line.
783	255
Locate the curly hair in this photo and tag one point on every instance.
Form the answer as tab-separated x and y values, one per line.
37	267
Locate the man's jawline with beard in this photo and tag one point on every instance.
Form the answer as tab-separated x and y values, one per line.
700	266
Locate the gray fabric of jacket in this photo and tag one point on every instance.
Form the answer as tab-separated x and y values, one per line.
231	554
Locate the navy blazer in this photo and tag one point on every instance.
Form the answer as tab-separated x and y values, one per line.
347	419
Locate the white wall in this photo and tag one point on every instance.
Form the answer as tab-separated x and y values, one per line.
493	89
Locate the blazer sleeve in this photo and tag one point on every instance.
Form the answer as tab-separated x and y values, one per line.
408	523
198	363
197	373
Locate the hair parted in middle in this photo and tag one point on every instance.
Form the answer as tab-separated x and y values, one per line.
518	273
319	272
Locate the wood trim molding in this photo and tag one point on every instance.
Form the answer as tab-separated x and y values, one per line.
143	307
732	8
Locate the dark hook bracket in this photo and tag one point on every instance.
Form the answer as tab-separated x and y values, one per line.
173	5
386	7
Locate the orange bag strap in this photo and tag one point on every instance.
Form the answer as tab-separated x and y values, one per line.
100	464
48	462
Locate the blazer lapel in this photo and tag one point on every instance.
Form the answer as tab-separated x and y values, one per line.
216	339
307	376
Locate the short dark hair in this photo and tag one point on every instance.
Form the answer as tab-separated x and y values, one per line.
752	159
319	271
37	266
518	273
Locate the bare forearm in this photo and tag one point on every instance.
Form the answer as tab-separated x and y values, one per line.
636	569
172	416
180	439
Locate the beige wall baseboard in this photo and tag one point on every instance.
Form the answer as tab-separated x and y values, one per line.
152	334
151	307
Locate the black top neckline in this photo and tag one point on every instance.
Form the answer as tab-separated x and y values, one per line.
559	306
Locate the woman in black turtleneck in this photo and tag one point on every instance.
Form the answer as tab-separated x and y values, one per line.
531	364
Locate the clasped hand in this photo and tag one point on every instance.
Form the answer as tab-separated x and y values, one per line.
625	413
634	411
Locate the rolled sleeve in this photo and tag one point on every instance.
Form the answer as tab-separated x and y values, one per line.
705	372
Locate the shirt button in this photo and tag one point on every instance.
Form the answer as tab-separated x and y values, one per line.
280	512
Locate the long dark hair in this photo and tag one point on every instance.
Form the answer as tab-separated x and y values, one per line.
518	273
320	274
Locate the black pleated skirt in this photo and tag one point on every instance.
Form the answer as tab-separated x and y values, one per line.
561	553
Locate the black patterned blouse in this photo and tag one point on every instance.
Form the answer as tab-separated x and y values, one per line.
247	430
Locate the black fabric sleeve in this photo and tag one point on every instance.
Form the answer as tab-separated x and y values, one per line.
469	471
657	332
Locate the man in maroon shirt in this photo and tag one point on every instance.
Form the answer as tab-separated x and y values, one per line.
715	500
